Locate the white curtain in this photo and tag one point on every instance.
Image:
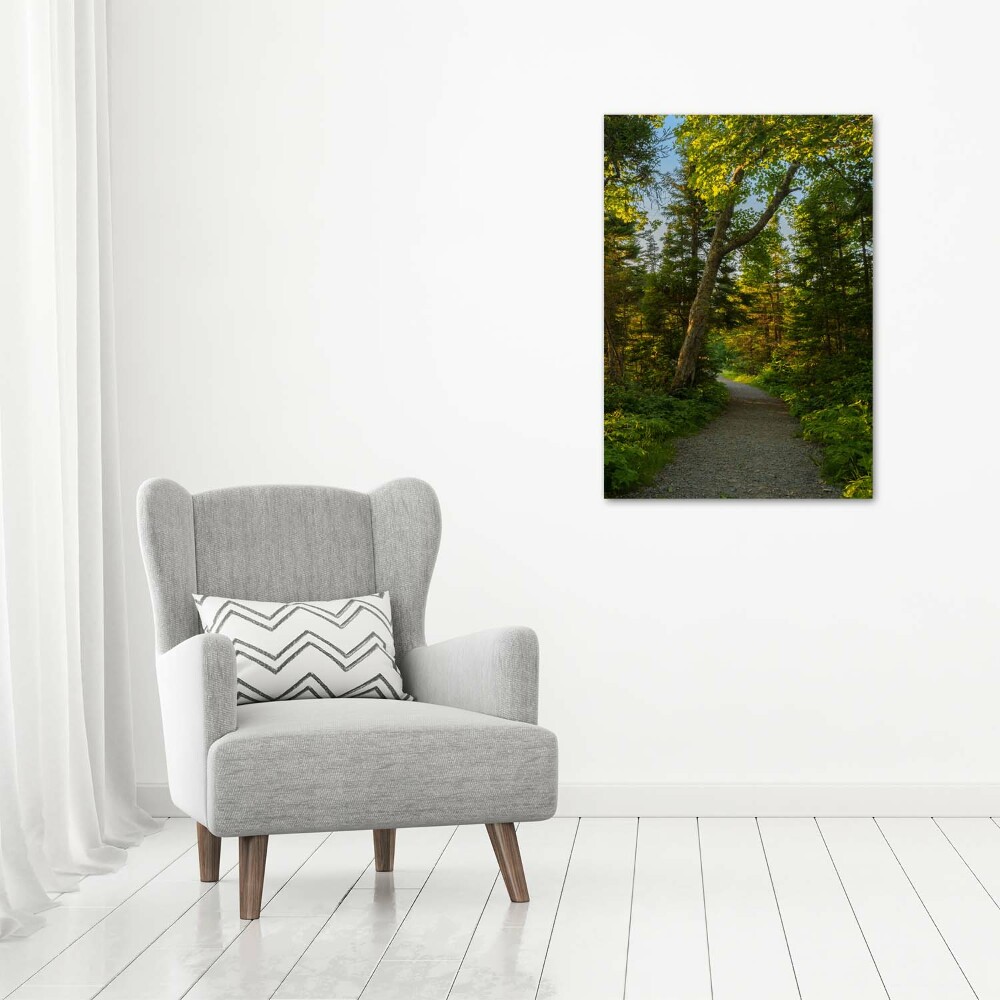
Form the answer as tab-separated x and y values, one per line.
67	783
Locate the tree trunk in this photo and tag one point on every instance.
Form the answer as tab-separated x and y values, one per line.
613	356
697	326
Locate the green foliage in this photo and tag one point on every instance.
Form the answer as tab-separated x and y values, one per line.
672	268
639	426
753	150
759	304
831	301
833	400
859	489
635	449
845	433
805	329
809	385
630	149
631	145
791	309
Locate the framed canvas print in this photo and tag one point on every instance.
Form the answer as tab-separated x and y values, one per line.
738	277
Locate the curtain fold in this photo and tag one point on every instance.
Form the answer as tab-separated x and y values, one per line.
67	781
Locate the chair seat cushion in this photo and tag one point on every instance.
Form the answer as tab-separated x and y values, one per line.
354	764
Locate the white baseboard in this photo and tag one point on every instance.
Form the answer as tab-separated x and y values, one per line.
737	800
779	800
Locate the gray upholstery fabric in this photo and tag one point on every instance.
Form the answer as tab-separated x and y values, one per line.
343	763
495	672
283	543
346	764
166	536
288	543
406	530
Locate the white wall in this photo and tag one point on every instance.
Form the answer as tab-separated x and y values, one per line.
361	240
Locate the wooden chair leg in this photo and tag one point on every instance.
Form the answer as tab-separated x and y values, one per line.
385	849
503	837
209	847
253	855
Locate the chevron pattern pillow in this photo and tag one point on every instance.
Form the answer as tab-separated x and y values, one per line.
315	649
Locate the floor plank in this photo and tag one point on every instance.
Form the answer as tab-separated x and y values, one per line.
744	925
188	949
587	953
978	842
439	926
505	957
54	993
317	888
618	909
100	954
79	910
913	959
22	957
829	953
145	861
254	967
344	955
668	951
965	914
417	852
414	979
175	961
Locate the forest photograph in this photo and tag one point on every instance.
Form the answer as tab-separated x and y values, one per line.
738	319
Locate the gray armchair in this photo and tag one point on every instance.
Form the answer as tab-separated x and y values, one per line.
466	751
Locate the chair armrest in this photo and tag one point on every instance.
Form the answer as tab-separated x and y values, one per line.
197	682
494	672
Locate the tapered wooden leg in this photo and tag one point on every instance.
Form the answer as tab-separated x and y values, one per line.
209	847
253	855
503	837
385	849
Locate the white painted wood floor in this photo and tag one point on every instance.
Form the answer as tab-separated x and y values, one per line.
672	909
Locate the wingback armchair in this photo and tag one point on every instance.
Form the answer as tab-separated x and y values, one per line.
467	750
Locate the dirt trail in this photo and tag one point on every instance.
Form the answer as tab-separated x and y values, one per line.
749	451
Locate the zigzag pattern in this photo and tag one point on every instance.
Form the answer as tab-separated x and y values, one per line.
311	686
316	649
253	613
277	660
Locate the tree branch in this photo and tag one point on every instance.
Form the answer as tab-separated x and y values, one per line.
772	206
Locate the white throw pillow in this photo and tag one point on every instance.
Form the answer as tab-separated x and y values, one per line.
314	649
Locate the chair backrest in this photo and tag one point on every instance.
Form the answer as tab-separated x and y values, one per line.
288	543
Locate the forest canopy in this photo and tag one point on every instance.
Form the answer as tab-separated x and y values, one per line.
738	244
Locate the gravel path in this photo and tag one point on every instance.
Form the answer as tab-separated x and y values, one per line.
748	452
